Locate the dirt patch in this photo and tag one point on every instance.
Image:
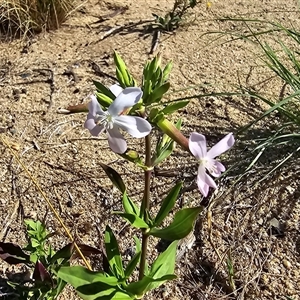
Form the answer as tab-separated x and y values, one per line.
35	80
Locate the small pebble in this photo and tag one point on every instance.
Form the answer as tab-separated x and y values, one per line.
287	264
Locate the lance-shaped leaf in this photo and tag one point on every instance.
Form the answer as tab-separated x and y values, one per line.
159	92
135	259
114	177
113	253
13	254
167	71
104	100
129	206
104	90
167	204
181	226
175	106
120	78
122	73
79	276
147	89
133	219
163	265
156	77
142	286
132	263
153	66
92	285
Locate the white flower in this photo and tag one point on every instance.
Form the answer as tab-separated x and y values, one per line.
197	145
112	119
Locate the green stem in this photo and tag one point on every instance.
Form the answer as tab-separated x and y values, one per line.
146	203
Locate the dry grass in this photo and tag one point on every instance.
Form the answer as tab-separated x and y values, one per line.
23	17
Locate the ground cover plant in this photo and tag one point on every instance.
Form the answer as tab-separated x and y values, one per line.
143	129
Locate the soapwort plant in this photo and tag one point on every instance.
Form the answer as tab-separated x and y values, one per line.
137	110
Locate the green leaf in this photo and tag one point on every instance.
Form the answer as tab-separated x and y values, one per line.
181	226
154	64
92	285
122	70
114	177
104	90
104	100
163	265
129	206
138	244
167	71
132	264
166	153
147	89
134	220
140	287
153	113
136	258
59	288
159	92
78	276
98	290
167	204
120	78
175	106
113	253
111	294
157	77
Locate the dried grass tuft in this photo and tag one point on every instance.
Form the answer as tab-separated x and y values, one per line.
23	17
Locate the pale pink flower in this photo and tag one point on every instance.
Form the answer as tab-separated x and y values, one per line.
197	145
112	120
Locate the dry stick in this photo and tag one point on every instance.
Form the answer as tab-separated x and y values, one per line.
155	41
48	202
146	204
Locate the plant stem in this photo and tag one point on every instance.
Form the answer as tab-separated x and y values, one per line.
146	203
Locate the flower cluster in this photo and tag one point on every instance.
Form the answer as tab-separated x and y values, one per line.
115	118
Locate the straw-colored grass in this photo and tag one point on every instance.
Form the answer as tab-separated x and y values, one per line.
22	17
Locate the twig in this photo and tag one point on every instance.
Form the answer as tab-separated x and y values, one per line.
155	41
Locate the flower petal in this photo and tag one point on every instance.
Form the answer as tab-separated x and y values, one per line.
127	98
90	122
222	146
135	126
214	167
94	107
204	181
197	145
97	130
116	140
116	89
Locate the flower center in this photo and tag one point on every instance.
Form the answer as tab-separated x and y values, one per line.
209	164
105	119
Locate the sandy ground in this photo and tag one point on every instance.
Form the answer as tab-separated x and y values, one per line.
64	159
